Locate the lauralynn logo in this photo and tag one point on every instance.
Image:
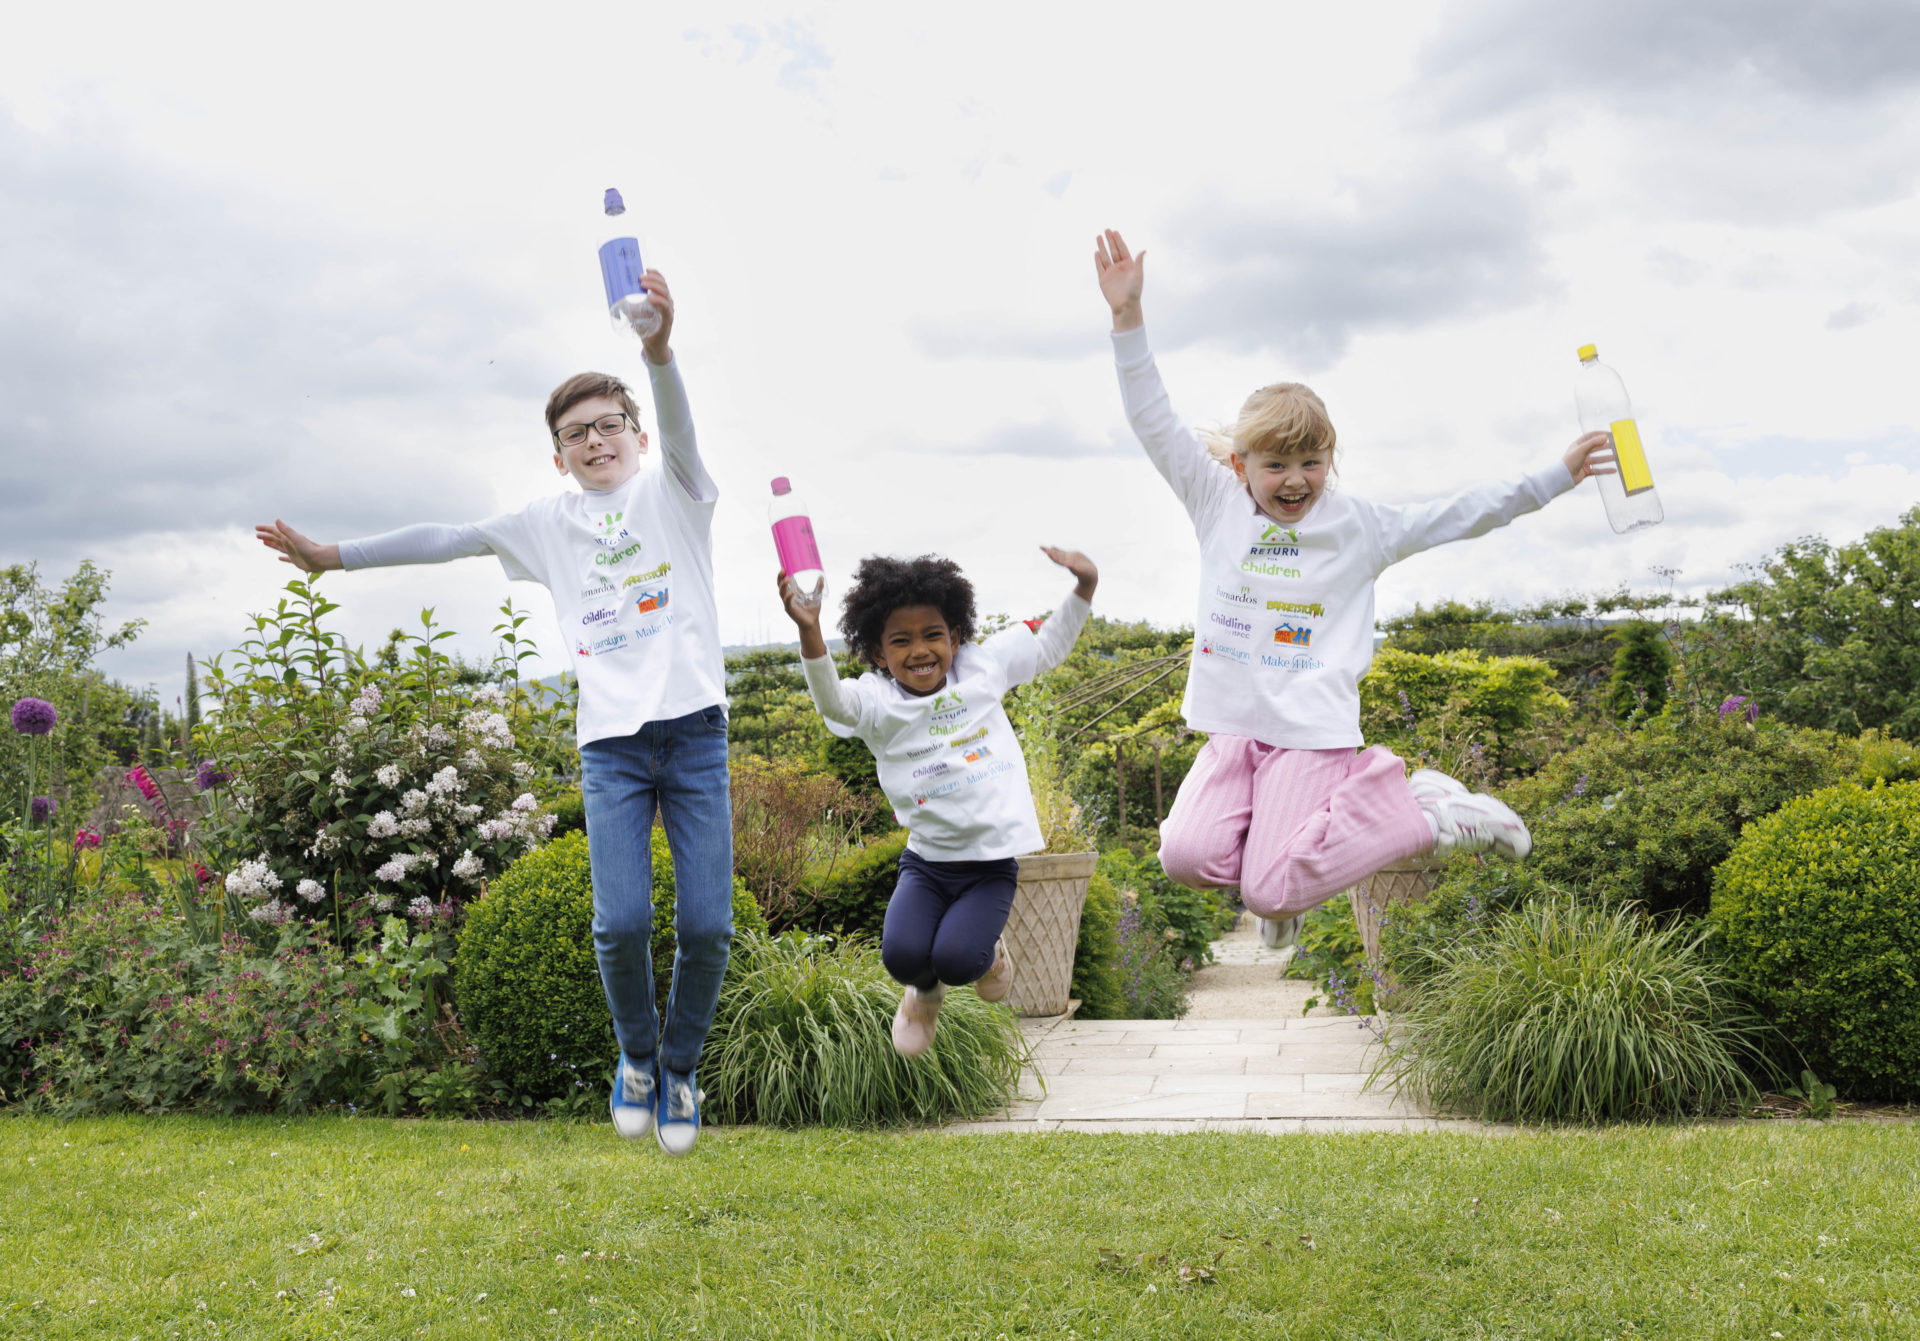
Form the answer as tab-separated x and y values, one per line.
1293	635
1209	648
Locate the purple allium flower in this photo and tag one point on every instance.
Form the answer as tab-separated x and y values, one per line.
34	717
211	776
43	808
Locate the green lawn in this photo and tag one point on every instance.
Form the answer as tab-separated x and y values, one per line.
362	1227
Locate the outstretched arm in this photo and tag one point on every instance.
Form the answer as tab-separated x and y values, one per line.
1405	531
670	407
1059	633
309	556
836	702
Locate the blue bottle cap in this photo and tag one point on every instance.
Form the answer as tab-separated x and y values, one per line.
615	205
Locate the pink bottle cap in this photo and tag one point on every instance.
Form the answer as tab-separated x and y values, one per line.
781	486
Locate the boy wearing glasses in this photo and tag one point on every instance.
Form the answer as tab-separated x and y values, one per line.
628	560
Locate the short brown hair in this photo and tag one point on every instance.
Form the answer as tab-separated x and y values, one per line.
585	386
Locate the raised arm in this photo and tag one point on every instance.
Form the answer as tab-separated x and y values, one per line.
1059	633
426	543
1175	450
670	407
833	697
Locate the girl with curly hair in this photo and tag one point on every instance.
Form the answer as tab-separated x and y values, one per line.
948	761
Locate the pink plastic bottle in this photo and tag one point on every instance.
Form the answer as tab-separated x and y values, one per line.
793	538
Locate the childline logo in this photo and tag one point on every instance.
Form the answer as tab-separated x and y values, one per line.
600	616
1232	625
928	770
1297	607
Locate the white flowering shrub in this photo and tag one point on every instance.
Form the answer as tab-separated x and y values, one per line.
362	788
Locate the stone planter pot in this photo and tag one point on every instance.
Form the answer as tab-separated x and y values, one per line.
1407	881
1044	928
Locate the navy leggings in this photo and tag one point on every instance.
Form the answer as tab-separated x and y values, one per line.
944	918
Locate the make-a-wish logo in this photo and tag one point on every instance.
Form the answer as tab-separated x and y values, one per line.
1293	635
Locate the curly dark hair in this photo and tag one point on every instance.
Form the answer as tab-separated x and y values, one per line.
882	585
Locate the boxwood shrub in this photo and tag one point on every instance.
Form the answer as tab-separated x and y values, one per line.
526	980
1819	910
849	894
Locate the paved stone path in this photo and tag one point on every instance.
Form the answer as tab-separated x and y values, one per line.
1261	1066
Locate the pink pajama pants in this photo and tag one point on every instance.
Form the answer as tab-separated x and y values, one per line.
1291	828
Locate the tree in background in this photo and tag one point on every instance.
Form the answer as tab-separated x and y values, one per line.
1823	635
1641	662
769	712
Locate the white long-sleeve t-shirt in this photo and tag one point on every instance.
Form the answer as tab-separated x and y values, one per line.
949	761
1284	627
630	570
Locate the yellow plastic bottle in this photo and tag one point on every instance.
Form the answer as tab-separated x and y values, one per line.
1601	398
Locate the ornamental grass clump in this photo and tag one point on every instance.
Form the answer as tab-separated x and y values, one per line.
804	1037
1566	1012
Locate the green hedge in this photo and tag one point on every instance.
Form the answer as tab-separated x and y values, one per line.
1096	972
526	979
849	895
1819	909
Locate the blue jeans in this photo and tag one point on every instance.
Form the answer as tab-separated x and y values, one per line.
681	767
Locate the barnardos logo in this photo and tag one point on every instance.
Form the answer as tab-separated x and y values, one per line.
1297	607
600	586
923	751
1241	597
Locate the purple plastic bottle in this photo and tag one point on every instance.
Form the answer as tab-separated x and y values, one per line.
620	270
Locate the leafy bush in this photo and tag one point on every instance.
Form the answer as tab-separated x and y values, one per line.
1819	906
1472	894
1096	973
526	978
1641	663
804	1036
1884	758
1456	711
783	813
1151	979
1569	1012
1188	920
569	810
118	1006
1643	816
1332	955
358	787
848	894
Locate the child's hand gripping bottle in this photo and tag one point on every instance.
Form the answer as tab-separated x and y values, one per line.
793	538
627	304
1601	398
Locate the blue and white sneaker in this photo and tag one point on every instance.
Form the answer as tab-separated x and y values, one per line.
634	1097
679	1124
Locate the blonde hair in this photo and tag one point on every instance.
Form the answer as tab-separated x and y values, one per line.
1283	419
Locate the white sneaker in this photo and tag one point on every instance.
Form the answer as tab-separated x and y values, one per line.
997	981
916	1019
1475	822
1431	783
1277	933
633	1100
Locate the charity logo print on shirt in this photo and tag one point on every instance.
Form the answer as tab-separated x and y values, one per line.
962	755
1250	622
623	603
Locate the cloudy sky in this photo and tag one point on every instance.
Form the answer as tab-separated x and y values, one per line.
327	268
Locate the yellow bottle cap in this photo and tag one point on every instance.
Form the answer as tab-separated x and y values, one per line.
1588	352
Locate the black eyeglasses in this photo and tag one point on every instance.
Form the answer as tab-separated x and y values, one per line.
572	435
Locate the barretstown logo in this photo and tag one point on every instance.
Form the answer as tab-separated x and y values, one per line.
1297	607
968	739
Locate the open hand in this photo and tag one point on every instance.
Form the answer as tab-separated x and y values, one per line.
1591	454
306	555
1079	565
804	613
658	350
1122	276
